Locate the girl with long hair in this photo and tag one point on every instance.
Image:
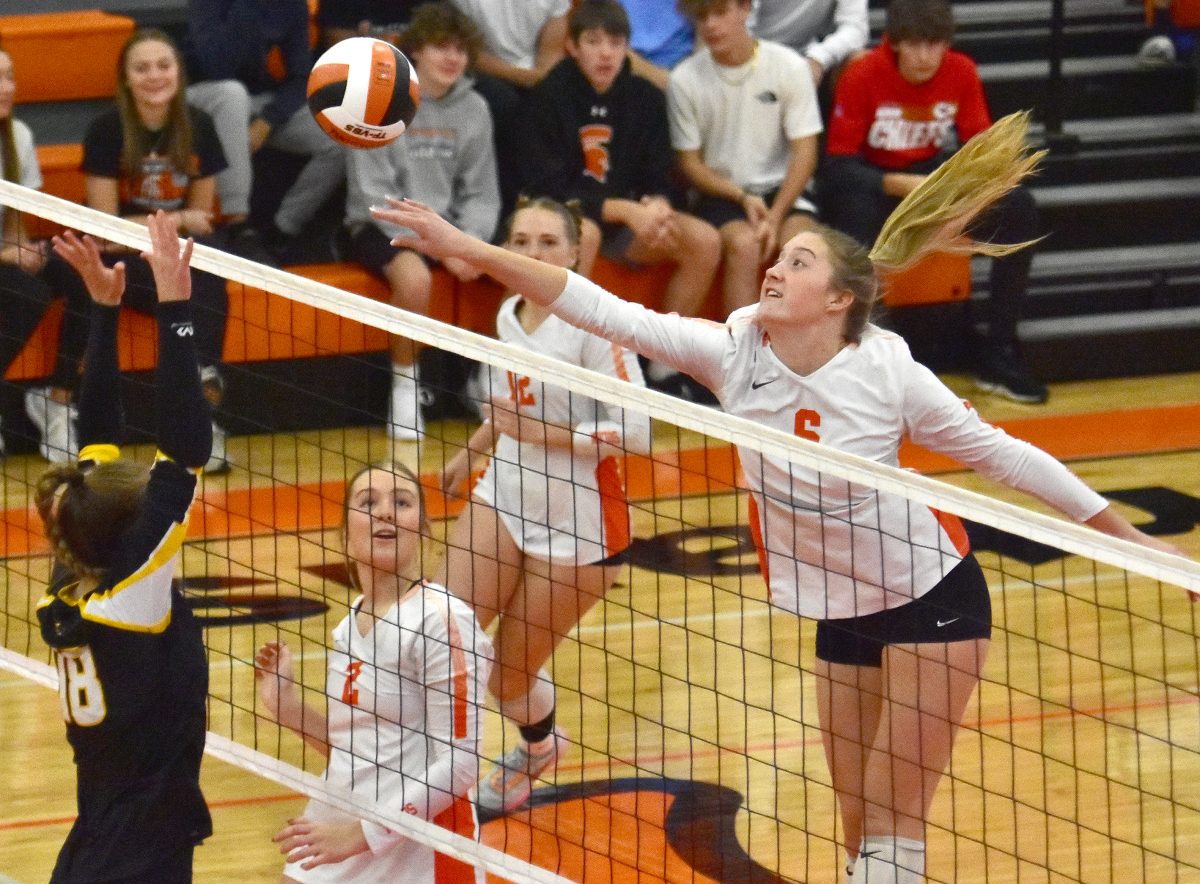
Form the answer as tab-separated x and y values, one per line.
24	294
902	608
132	669
542	537
152	152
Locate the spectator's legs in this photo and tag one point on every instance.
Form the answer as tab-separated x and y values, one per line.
1002	368
504	101
852	200
695	252
25	299
228	103
411	283
72	337
321	176
741	250
1011	220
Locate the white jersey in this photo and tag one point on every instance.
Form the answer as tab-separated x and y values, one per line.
511	30
404	705
562	505
830	549
742	119
27	160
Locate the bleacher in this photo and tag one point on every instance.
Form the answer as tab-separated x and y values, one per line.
1116	283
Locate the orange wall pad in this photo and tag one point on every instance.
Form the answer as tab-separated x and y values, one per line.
65	56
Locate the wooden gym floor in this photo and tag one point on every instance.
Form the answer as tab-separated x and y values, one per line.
696	756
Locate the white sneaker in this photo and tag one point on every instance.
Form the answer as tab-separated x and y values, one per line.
217	461
55	422
510	781
405	421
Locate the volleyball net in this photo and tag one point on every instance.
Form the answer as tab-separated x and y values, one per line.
687	700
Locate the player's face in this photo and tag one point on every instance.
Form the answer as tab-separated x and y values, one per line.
919	60
539	233
721	26
152	72
440	67
599	55
383	522
798	287
8	86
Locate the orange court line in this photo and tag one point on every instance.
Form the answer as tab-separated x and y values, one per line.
268	509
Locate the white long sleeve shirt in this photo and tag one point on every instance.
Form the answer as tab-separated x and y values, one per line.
832	549
404	729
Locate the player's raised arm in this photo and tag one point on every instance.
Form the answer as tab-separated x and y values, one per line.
434	236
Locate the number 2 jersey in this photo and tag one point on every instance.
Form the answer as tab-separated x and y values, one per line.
404	731
558	504
829	548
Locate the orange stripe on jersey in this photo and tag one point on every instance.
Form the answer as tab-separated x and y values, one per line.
756	536
382	83
618	354
459	818
614	508
954	529
458	676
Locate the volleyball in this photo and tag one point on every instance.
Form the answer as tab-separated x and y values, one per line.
363	92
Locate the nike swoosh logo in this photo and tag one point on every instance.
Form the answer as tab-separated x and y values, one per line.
942	623
754	385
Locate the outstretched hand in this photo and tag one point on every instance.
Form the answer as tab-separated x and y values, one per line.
169	263
431	234
106	285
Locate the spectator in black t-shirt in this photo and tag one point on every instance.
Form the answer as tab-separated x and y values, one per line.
150	152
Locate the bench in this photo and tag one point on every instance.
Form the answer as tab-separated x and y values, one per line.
65	56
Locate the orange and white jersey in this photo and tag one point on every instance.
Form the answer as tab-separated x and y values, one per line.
559	504
829	548
404	702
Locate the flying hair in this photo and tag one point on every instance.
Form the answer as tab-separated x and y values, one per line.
934	217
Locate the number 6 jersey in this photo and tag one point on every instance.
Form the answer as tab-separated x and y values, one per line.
829	548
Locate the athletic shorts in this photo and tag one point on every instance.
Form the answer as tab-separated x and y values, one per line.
957	609
719	211
371	248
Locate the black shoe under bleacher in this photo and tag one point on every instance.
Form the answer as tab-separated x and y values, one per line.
1002	372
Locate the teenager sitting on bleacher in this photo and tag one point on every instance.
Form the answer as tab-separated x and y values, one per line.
445	160
899	112
24	295
152	151
341	19
521	43
597	133
660	37
249	61
744	125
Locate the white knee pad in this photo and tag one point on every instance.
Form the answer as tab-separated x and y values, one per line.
887	859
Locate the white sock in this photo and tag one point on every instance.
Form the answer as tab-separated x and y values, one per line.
656	371
850	863
404	413
888	859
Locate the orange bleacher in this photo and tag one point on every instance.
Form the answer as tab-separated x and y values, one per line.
263	326
65	56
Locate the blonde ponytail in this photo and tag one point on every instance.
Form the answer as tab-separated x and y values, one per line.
934	217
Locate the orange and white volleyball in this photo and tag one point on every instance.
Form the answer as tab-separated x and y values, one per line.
363	92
